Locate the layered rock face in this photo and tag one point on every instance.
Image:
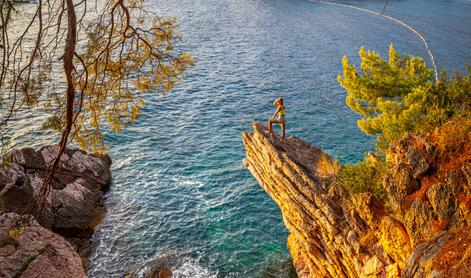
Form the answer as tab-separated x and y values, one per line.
73	206
422	230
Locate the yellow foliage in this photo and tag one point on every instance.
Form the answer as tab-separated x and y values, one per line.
327	167
120	63
15	233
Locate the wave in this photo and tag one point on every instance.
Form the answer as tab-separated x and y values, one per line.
173	264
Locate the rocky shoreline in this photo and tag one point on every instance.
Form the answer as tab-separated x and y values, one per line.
422	230
55	243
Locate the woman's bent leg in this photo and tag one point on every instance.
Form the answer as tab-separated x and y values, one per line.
271	122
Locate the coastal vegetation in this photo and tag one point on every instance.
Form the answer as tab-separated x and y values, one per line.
399	96
396	97
110	58
364	176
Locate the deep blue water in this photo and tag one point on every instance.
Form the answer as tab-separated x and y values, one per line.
179	187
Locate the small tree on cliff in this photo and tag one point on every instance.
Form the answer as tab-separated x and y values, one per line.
399	96
111	54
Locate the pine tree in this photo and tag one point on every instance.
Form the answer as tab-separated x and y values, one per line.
398	96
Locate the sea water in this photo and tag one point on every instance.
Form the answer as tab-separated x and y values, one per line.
180	193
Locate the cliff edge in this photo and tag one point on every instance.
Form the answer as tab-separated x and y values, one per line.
420	230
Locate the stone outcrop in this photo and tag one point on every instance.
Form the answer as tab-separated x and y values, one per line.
336	233
73	205
27	249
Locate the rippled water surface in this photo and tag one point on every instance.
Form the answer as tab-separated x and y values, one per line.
179	187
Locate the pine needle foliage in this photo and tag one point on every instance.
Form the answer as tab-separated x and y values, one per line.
399	96
395	97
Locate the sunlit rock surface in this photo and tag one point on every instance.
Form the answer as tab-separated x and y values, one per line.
73	207
423	227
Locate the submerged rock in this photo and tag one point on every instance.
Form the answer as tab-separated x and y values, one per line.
334	233
170	265
73	205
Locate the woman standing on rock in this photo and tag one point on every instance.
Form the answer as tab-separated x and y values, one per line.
281	111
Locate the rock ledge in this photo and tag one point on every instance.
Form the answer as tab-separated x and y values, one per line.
334	233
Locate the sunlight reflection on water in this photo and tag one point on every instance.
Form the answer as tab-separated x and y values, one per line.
178	182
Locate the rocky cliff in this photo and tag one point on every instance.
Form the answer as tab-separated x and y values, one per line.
421	230
30	250
56	242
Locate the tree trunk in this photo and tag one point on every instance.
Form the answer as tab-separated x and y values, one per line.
68	68
69	51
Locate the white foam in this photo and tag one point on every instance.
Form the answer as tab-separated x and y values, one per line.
180	266
191	269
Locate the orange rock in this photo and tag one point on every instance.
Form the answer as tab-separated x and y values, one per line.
335	233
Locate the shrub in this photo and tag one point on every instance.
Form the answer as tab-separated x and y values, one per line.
364	176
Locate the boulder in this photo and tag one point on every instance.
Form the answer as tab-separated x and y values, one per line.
73	162
16	192
411	158
73	205
74	200
29	250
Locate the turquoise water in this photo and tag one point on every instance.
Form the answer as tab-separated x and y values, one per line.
179	188
179	184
